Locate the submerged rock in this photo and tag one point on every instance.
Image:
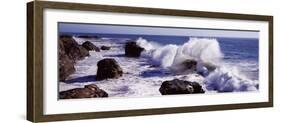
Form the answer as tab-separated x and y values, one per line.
132	49
177	86
190	64
210	67
90	46
105	48
89	91
185	67
108	68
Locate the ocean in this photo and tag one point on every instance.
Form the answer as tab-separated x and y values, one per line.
237	68
240	52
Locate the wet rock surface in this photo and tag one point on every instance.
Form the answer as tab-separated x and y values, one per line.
69	51
108	68
89	91
132	49
177	86
90	46
105	48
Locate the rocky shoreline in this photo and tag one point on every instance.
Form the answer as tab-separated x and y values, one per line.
70	52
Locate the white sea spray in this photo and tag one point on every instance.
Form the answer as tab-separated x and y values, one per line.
206	52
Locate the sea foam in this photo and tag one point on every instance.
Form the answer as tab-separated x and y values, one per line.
229	80
147	45
205	51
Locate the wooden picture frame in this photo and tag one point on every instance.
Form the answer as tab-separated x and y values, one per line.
35	60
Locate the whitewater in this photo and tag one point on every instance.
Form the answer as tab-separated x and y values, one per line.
143	76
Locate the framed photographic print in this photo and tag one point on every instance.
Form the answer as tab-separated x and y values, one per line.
96	61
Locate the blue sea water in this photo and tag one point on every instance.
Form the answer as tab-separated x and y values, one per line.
243	53
240	52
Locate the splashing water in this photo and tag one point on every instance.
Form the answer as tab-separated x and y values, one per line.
229	80
205	51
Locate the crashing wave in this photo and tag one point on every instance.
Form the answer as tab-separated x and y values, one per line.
207	54
203	50
229	80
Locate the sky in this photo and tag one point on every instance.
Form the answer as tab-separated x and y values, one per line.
145	30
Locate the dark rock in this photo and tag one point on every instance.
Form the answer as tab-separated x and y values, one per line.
65	64
132	49
177	86
65	36
69	52
89	91
190	64
105	48
73	49
108	68
185	67
210	67
90	46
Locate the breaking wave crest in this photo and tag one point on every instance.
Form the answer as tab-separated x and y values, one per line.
203	50
229	80
206	52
